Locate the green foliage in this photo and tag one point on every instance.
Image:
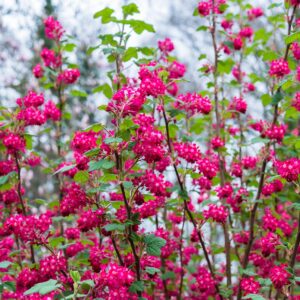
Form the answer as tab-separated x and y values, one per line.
115	226
64	169
136	286
81	177
254	297
101	164
105	15
154	244
44	288
130	9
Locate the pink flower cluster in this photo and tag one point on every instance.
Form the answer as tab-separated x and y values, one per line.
273	187
288	169
238	104
53	29
127	101
166	45
279	68
193	103
218	213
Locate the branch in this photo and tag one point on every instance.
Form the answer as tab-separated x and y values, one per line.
189	213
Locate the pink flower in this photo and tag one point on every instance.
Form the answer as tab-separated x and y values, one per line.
279	276
246	32
89	219
224	191
204	8
127	101
207	168
254	13
50	266
288	169
296	50
279	68
249	162
51	111
217	213
68	76
250	286
53	29
217	142
14	143
238	43
32	99
188	151
176	70
272	187
227	24
38	71
296	101
193	103
238	104
50	59
31	116
166	45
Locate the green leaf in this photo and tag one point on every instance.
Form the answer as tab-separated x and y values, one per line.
225	66
154	244
266	99
130	53
28	139
95	127
69	47
248	272
151	270
92	152
168	275
55	241
295	206
4	264
75	275
262	35
114	226
139	26
9	285
81	177
127	185
101	164
287	84
136	286
292	37
277	98
112	140
130	9
43	288
64	169
77	93
107	91
90	50
202	28
254	297
88	282
5	178
104	14
259	140
225	292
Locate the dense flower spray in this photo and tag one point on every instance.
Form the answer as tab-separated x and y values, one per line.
179	192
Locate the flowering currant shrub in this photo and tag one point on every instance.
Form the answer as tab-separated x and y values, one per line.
181	194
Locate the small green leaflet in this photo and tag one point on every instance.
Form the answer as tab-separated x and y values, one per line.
154	244
101	164
43	288
64	169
